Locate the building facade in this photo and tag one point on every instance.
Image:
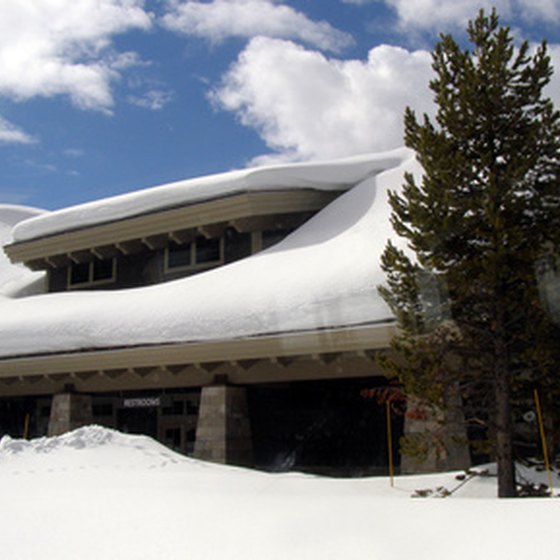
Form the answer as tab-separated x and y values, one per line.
145	327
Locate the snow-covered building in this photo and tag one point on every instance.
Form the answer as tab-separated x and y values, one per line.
233	316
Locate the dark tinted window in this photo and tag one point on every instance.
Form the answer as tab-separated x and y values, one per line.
207	250
102	269
79	273
178	255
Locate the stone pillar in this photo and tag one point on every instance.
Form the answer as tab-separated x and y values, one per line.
68	412
223	432
443	433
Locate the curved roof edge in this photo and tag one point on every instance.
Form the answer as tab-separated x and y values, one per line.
333	175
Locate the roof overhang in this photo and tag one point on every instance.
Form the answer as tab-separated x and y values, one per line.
321	354
144	229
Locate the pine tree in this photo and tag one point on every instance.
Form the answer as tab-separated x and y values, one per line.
479	225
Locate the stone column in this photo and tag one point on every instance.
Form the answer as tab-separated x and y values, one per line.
68	412
443	433
223	432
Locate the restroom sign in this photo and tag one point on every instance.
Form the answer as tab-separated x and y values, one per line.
142	402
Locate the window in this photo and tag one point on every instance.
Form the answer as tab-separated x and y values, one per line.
207	250
200	253
97	271
178	255
79	273
102	270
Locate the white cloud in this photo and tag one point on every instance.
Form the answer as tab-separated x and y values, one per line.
39	167
11	134
543	10
155	99
307	106
221	19
73	152
435	14
553	88
62	47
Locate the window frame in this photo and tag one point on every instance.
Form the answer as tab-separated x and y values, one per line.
194	265
91	281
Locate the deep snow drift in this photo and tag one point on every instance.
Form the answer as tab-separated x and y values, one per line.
323	275
95	493
15	279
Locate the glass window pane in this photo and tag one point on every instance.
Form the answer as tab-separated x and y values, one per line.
178	255
102	269
79	273
207	250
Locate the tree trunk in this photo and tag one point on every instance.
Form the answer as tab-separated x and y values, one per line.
504	424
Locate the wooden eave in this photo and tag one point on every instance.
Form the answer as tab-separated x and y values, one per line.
42	252
329	353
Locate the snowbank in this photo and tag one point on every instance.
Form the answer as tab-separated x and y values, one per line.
95	493
323	275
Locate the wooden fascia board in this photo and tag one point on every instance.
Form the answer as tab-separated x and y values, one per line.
294	344
165	221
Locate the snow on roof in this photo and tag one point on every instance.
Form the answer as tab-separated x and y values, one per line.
15	279
327	176
323	275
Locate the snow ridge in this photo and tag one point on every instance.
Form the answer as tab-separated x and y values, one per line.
328	176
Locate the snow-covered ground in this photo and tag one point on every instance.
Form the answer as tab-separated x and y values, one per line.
96	493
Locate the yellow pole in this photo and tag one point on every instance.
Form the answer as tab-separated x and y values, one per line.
26	426
543	440
390	442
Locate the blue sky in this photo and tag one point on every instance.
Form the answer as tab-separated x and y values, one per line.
100	97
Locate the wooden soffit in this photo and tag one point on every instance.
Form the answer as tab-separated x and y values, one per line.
152	224
248	360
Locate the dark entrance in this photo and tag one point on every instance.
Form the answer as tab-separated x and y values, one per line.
323	427
142	420
13	414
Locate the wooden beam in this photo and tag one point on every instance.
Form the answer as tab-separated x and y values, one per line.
326	359
32	379
144	371
78	257
129	247
250	223
105	252
85	375
58	377
176	370
282	361
244	364
155	242
113	373
212	231
208	367
182	236
58	261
